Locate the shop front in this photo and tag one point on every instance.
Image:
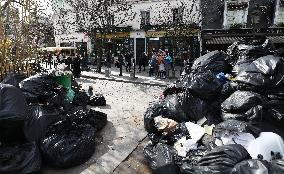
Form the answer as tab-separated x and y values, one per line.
180	45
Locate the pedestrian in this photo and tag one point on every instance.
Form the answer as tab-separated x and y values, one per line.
120	61
144	61
49	59
162	69
168	63
152	64
77	66
128	62
160	59
108	60
60	58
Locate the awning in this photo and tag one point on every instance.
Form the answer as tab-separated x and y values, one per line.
229	40
117	35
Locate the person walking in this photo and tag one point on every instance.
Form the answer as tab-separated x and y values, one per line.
168	63
152	64
160	60
128	62
77	66
120	61
142	62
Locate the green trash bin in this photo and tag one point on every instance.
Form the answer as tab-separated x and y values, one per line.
64	80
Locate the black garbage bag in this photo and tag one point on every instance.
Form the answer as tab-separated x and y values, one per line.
227	90
14	79
173	105
220	160
273	112
253	115
58	99
193	156
39	88
241	66
13	113
68	144
170	137
81	115
249	50
161	159
40	118
241	101
173	89
12	102
252	166
20	159
243	105
214	61
230	126
97	100
154	110
194	107
80	99
266	73
277	166
204	84
97	119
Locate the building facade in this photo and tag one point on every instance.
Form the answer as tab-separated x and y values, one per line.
170	25
228	21
66	28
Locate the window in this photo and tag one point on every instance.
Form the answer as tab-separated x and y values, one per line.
178	15
236	14
145	18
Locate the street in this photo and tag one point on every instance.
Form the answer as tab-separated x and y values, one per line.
126	104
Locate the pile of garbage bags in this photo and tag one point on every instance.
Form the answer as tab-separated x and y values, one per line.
225	115
40	125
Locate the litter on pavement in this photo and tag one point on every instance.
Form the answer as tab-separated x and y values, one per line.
228	109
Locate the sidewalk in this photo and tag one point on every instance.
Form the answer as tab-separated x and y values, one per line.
140	77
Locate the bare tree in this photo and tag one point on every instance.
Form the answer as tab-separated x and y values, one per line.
19	34
96	18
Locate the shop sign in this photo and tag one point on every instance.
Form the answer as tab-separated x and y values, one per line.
156	33
118	35
169	33
137	34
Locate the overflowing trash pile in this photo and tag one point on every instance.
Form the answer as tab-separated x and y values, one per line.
42	121
225	115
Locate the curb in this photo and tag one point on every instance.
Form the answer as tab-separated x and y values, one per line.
124	81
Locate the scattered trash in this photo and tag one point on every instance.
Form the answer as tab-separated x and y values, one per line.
266	143
97	100
223	110
183	146
67	144
20	159
161	159
214	61
195	131
42	114
14	79
165	124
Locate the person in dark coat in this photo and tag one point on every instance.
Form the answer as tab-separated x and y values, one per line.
120	61
128	62
77	66
143	61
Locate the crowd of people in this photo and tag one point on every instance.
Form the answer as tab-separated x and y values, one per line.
160	64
